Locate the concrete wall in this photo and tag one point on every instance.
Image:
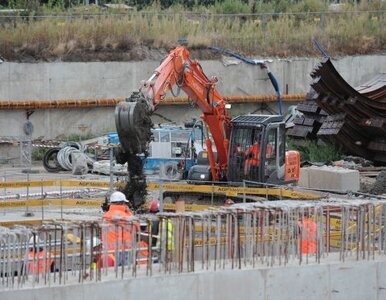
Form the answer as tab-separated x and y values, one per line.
44	81
56	123
22	81
350	280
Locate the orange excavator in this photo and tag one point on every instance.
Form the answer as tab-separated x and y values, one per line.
247	148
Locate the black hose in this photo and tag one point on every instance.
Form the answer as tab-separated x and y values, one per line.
50	161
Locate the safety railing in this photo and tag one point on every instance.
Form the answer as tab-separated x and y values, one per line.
246	235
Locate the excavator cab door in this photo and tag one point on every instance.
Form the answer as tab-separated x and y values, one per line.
244	154
273	153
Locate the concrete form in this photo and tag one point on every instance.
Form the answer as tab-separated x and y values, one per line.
349	280
330	178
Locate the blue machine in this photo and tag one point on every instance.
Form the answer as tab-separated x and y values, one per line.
171	144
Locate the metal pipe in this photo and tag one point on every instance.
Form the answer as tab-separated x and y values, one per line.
111	102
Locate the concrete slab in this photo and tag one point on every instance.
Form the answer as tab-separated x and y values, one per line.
330	178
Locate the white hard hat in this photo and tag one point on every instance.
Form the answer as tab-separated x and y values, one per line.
118	197
95	242
34	241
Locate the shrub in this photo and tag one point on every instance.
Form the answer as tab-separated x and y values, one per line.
230	7
316	152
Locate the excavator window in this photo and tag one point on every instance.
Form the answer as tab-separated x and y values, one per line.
274	153
245	154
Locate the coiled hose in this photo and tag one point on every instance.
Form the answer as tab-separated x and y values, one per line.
59	159
64	157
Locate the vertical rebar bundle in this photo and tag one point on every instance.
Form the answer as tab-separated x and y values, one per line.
249	235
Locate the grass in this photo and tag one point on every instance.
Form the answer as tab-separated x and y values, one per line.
316	152
264	35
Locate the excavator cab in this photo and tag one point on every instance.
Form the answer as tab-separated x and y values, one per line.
257	151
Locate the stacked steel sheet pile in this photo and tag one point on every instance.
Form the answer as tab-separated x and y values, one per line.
308	124
356	118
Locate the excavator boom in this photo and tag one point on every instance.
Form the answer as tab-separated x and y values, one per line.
257	149
132	117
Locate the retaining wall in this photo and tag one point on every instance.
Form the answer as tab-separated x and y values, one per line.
350	280
45	81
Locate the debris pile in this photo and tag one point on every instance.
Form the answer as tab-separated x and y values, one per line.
379	186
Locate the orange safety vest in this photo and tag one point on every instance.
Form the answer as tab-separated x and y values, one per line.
118	232
110	260
143	254
307	236
37	262
252	158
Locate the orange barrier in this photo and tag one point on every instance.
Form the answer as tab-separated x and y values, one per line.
76	103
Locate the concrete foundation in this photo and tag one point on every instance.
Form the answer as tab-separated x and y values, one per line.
330	178
349	280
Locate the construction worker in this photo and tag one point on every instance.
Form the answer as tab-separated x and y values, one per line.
118	229
228	202
100	259
39	261
166	226
307	236
252	160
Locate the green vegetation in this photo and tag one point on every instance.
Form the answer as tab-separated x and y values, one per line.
79	137
316	152
65	30
38	153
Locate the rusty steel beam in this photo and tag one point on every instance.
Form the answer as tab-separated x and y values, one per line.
87	103
356	115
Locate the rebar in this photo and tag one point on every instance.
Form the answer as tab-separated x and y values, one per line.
245	235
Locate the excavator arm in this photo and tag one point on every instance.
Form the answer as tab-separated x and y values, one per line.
177	70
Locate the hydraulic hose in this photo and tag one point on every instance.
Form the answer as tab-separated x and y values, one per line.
256	62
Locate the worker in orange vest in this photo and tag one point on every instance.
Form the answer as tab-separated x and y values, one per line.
118	229
307	236
252	160
39	261
100	259
143	253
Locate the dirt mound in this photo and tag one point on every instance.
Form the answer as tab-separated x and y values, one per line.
380	184
134	53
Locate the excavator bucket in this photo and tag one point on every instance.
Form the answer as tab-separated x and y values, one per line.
133	123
